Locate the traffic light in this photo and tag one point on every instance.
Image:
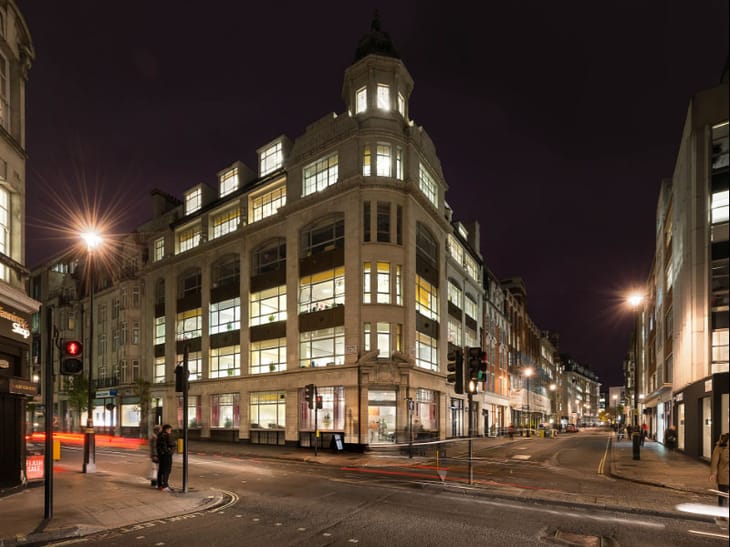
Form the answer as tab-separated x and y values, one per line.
180	381
309	395
71	360
455	366
474	363
482	377
319	401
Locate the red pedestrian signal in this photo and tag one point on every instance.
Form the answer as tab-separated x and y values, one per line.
71	359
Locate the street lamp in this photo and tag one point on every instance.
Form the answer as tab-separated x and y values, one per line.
553	387
528	372
635	301
92	240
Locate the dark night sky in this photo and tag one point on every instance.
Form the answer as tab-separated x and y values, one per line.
555	122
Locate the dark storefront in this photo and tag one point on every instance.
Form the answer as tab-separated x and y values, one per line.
15	389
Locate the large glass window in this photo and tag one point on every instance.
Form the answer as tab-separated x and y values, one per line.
188	238
383	294
194	413
401	104
195	365
266	205
268	410
384	338
454	331
324	237
271	159
322	347
267	356
332	414
720	206
383	222
427	301
159	251
269	258
399	285
366	161
4	228
383	161
225	222
193	201
361	100
228	182
189	324
320	174
399	163
225	361
159	372
367	277
322	290
160	330
383	97
455	294
225	316
427	185
268	305
427	409
470	307
720	148
426	352
225	411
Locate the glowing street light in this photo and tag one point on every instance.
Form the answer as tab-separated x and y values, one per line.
553	387
635	301
527	373
93	240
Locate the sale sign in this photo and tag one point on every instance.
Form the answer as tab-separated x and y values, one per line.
34	467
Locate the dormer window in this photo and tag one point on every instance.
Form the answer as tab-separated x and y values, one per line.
229	182
271	159
401	105
193	201
361	100
383	97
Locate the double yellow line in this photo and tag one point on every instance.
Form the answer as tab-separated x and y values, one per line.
602	463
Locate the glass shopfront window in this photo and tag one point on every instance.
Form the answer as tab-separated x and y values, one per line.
381	416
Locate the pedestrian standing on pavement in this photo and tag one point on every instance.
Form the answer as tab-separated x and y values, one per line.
670	437
719	467
165	450
644	433
154	472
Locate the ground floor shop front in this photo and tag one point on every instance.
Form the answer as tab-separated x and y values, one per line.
369	404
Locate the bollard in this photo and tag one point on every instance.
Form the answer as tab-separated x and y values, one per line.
180	446
56	450
636	442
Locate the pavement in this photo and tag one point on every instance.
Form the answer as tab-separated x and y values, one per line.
111	499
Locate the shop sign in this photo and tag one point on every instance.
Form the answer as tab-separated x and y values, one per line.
34	467
13	324
18	386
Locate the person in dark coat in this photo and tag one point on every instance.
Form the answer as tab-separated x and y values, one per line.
155	471
165	449
670	437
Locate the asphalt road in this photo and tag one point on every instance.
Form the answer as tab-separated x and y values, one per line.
288	503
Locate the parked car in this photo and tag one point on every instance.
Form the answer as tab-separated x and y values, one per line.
571	428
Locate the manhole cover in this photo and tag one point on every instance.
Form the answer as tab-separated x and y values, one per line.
571	538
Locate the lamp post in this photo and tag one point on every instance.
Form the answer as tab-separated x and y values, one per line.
528	372
635	301
553	387
93	240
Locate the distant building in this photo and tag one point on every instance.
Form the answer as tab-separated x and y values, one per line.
17	383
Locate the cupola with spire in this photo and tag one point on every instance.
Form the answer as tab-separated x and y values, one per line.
377	83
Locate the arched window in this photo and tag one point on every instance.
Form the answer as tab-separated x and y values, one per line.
189	283
226	271
271	256
325	235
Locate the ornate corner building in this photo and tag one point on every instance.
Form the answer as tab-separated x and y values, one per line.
16	307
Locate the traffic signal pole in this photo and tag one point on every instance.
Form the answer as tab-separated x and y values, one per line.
48	419
185	420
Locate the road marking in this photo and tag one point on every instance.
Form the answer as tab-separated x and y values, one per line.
710	534
521	457
602	463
